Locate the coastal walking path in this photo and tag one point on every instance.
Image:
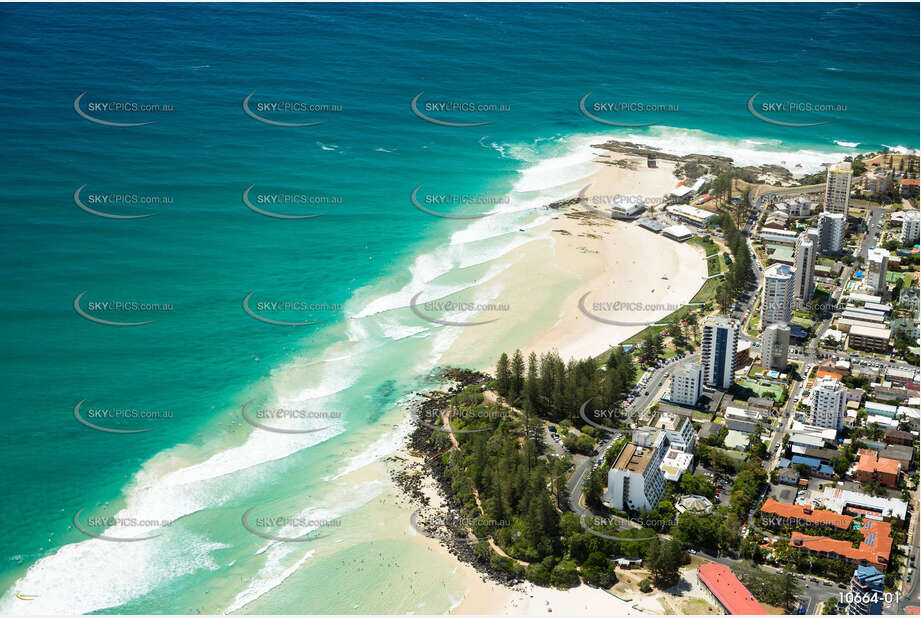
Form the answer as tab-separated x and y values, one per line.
446	422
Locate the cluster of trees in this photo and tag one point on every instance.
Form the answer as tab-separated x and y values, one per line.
555	390
683	331
848	455
740	271
664	559
780	590
507	492
582	443
832	568
714	457
598	479
746	488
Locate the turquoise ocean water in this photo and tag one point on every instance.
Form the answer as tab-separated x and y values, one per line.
356	267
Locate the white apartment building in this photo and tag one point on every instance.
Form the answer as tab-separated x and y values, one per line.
875	272
719	345
679	431
804	257
687	383
911	227
878	180
799	206
775	347
777	298
838	188
831	232
829	402
635	481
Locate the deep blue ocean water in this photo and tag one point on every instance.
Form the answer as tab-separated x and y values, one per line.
204	250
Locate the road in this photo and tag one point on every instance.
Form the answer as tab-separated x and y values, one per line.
909	593
582	466
812	593
759	200
654	384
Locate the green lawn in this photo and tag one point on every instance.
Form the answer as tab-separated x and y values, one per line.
715	264
762	389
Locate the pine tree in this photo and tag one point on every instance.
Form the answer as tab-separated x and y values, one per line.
517	377
531	383
503	376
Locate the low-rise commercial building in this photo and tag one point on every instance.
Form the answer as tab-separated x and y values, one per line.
679	233
726	591
692	215
868	338
856	503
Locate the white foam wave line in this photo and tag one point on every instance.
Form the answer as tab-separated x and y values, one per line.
274	572
160	491
396	332
385	445
901	149
551	178
269	580
93	575
743	152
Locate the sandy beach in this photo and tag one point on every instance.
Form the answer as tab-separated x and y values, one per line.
485	596
577	252
632	277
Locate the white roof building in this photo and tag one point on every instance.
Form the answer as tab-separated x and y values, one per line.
675	463
680	233
839	499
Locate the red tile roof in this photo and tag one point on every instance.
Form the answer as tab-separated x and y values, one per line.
909	181
730	592
871	462
873	550
799	512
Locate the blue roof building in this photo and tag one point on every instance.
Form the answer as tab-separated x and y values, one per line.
866	592
812	462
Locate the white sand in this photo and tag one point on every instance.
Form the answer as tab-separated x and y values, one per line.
582	252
